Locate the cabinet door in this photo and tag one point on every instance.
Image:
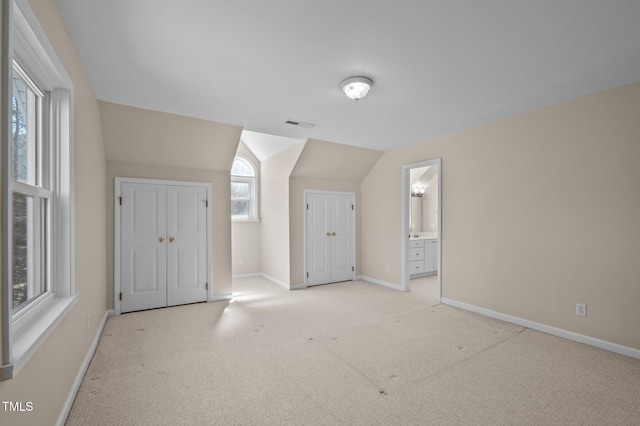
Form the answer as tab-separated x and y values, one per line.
416	267
416	254
435	255
416	243
429	252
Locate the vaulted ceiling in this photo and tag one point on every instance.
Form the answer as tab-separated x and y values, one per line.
437	66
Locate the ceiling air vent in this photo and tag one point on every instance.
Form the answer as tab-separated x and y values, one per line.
300	124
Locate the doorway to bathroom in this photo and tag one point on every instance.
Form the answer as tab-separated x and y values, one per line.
422	223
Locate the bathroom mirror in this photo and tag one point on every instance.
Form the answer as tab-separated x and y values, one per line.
423	215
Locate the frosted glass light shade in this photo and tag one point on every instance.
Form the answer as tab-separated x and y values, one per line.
356	87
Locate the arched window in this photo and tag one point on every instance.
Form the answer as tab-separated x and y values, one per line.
244	190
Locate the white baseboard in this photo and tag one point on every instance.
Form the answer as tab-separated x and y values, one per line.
271	279
581	338
220	297
243	276
393	286
83	370
275	281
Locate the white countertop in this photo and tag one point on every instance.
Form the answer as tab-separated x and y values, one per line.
423	236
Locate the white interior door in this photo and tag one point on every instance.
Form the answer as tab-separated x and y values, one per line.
330	237
342	211
318	240
163	245
187	245
143	247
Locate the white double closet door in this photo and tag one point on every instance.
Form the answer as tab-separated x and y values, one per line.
330	237
163	240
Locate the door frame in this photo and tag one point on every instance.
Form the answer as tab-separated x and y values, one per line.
406	208
305	200
117	285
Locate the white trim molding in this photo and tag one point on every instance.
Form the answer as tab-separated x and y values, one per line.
244	276
271	279
83	370
275	281
220	298
565	334
388	284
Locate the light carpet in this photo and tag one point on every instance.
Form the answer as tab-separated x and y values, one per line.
345	354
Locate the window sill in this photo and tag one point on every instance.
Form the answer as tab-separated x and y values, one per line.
32	335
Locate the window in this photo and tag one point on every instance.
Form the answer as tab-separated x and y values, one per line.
31	195
37	182
244	200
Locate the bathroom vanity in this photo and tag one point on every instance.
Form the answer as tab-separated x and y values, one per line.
423	256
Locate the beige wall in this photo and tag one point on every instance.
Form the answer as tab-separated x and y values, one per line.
245	236
246	248
48	377
136	135
274	182
2	361
155	145
324	166
332	161
540	211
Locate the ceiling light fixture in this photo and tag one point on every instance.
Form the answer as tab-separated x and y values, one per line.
356	87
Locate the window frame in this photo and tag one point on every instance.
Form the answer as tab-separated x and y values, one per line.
24	42
42	194
253	190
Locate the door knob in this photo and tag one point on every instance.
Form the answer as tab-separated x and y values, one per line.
161	239
171	239
333	233
328	234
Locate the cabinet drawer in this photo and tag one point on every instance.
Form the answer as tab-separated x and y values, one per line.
416	243
416	254
416	267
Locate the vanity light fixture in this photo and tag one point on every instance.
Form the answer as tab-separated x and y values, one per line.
356	88
417	191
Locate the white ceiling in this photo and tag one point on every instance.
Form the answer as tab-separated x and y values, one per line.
438	66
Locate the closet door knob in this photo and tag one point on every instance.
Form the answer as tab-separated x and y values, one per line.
328	234
161	239
171	239
333	233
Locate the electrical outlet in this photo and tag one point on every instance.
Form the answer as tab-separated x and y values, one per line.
388	268
581	309
88	322
240	262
